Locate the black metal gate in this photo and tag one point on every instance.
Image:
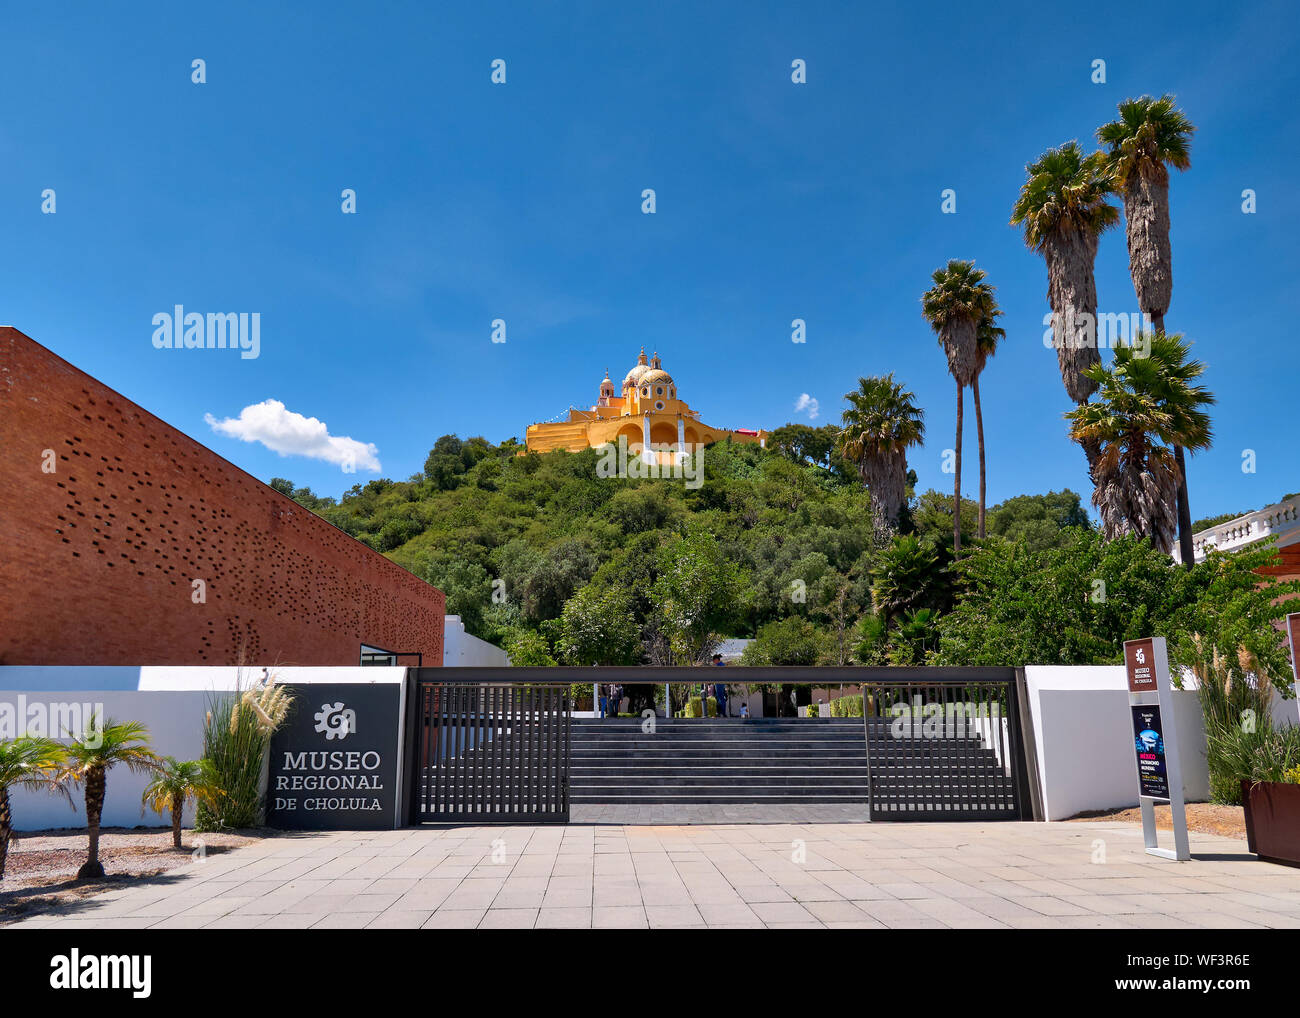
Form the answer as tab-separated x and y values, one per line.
488	751
945	746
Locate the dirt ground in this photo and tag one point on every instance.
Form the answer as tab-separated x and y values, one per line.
1206	817
41	870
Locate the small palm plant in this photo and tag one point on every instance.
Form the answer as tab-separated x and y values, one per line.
89	758
25	762
174	785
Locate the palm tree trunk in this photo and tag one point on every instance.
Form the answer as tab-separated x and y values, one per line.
979	430
956	498
6	829
1092	450
95	780
1186	551
178	807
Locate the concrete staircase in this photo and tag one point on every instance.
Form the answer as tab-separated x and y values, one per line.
776	761
758	760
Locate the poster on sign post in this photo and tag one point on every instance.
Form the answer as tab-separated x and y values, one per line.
1153	721
1149	744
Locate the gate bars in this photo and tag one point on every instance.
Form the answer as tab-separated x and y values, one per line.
485	751
945	747
493	745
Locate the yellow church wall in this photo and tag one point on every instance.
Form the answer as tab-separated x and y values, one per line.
614	416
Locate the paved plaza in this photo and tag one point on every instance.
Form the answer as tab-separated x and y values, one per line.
774	875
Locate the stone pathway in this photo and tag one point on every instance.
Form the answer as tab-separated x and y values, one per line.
719	876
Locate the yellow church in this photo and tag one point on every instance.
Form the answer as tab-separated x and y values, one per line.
646	413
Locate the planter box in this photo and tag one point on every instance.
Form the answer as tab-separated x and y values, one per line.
1272	820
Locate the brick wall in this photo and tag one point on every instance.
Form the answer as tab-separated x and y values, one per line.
98	558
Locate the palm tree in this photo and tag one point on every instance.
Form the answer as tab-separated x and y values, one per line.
903	577
25	762
1150	136
1145	404
174	785
880	425
89	758
987	338
955	306
1063	210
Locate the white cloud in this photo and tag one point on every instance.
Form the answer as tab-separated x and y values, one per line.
291	434
806	402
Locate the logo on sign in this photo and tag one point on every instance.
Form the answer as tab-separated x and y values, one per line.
1139	657
335	721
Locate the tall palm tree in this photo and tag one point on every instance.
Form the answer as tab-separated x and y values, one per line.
89	758
987	338
1150	136
25	762
881	423
1063	210
1145	404
176	783
955	306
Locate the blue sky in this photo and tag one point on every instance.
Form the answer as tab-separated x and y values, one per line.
522	201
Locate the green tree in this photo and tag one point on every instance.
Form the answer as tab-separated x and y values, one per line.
881	423
87	760
1150	136
1144	401
791	641
529	649
956	306
695	595
596	627
1038	521
25	762
1063	210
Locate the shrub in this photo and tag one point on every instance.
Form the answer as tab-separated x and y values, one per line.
847	706
1235	697
1238	754
236	737
692	709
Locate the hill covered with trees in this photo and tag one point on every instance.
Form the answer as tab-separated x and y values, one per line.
542	555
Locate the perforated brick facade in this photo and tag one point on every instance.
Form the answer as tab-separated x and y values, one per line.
98	558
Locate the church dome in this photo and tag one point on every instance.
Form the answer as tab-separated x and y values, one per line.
633	377
656	376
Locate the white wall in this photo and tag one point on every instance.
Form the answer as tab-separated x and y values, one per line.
171	702
1084	736
461	650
